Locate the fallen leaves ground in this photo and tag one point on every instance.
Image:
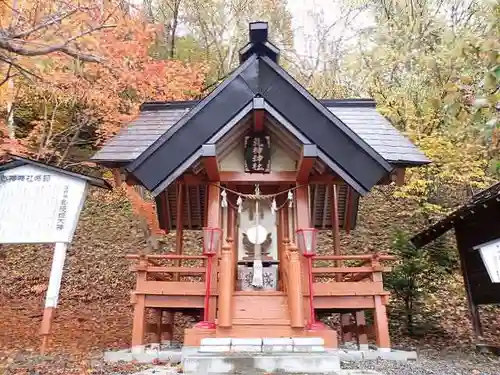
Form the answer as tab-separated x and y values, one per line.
94	312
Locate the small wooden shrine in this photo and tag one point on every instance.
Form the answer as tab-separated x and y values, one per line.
259	165
477	232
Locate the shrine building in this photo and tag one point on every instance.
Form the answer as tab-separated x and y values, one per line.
259	166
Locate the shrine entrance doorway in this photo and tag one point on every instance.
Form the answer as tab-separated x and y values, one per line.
257	212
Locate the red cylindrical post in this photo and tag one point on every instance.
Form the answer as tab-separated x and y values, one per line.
208	283
313	324
311	305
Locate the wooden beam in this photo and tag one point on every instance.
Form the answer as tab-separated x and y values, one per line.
117	177
307	159
400	176
251	178
210	162
179	225
179	218
258	114
271	178
325	206
168	215
258	120
335	220
347	214
313	197
193	179
190	223
302	208
397	176
198	203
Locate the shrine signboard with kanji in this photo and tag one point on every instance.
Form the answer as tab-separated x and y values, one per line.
490	254
258	154
39	205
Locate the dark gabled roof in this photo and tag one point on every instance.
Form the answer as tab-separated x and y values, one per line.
360	115
259	76
466	212
15	161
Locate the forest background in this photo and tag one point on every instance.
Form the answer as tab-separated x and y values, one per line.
73	73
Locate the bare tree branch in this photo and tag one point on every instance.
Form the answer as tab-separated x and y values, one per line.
53	20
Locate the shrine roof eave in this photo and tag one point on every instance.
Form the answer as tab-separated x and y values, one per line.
259	76
483	199
193	158
155	118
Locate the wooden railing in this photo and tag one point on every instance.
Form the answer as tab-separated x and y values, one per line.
154	276
352	280
370	264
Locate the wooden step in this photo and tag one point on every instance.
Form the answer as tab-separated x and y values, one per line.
260	309
241	331
263	321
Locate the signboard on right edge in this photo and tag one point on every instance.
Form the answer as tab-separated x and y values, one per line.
490	253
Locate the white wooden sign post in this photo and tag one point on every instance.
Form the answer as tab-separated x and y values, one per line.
42	204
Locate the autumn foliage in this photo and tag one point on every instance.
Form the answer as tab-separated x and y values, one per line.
77	102
68	102
144	209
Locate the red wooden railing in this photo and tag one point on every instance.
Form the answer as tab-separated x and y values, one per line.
370	264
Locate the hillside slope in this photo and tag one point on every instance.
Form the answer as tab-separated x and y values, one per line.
94	311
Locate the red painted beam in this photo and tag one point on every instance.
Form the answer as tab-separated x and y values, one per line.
258	120
306	162
272	178
210	163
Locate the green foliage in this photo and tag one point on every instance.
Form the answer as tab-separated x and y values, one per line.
434	69
417	272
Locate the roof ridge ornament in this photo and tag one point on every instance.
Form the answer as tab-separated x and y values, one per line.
259	43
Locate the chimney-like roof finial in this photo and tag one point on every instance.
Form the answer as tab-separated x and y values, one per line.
258	32
259	43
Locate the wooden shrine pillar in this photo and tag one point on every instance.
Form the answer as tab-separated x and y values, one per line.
380	320
226	285
345	319
302	220
294	285
139	319
214	221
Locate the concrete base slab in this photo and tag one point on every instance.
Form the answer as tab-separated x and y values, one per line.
146	356
277	348
309	363
391	355
158	370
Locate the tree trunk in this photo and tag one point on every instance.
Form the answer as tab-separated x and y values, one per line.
173	29
409	315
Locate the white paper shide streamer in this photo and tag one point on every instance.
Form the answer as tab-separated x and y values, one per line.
223	202
239	203
258	279
274	208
